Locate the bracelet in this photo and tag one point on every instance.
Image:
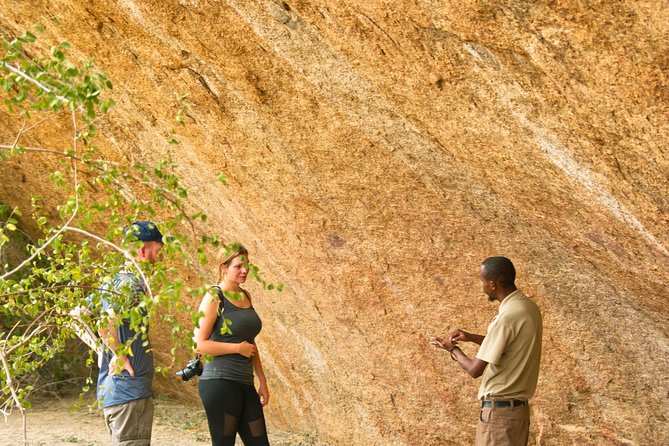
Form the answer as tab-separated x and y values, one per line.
453	357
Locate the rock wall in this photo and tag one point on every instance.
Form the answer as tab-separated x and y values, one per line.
377	152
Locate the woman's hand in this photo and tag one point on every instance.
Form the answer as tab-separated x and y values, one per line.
263	393
246	349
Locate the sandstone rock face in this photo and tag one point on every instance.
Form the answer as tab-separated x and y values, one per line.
377	152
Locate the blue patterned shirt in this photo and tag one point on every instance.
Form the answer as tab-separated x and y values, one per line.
122	388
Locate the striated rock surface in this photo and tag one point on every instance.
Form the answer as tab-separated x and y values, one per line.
376	153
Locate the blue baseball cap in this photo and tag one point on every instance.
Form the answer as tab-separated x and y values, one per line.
145	231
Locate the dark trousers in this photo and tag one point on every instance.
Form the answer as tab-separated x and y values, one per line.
233	408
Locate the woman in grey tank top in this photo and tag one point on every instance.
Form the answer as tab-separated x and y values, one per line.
227	332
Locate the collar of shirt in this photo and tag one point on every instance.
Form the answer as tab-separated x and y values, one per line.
516	295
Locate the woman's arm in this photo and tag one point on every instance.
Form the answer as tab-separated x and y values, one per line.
263	391
209	308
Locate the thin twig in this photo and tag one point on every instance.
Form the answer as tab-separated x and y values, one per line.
69	221
35	332
18	135
125	90
173	201
74	160
125	253
41	248
35	82
37	389
65	154
50	116
27	338
55	287
16	325
9	382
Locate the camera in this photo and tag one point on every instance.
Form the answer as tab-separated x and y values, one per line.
193	368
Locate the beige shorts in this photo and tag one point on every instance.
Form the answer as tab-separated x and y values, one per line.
130	424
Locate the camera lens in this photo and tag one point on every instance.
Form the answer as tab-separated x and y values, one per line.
193	368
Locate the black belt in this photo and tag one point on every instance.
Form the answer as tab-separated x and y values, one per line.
497	403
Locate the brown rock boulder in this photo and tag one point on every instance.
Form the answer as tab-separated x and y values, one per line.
377	152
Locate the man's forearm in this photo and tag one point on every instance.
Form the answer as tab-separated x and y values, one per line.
473	366
476	339
109	337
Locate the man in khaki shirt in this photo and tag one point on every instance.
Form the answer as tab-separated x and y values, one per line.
511	348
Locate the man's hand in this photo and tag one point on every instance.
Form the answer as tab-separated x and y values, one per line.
442	343
459	335
120	363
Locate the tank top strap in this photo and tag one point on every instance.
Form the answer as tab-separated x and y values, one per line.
248	296
223	299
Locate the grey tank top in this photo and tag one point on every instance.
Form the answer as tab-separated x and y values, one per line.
245	325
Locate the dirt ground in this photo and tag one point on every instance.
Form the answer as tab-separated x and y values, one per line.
63	422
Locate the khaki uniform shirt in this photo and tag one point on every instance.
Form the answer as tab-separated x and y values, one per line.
512	349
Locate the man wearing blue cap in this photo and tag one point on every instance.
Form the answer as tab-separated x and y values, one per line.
124	380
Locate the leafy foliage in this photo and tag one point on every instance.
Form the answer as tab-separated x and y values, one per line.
52	291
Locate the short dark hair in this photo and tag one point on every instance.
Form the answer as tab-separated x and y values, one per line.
499	269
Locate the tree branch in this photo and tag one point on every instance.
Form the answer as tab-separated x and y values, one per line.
41	248
9	382
125	253
59	153
55	287
35	82
70	220
18	135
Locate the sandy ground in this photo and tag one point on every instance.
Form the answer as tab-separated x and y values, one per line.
61	422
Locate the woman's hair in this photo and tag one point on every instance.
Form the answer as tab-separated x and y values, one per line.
227	254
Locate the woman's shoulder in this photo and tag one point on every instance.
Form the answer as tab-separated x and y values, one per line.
212	296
